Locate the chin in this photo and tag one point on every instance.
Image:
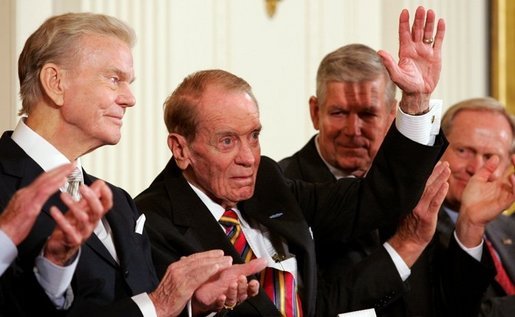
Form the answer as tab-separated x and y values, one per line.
112	139
244	195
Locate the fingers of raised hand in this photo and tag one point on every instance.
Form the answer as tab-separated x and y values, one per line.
435	190
68	227
422	30
417	30
95	207
103	192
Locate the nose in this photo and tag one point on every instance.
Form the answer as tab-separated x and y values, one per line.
352	124
245	155
474	164
125	97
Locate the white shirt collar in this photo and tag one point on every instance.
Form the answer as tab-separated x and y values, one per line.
216	210
39	149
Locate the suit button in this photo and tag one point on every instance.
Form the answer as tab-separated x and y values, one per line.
126	273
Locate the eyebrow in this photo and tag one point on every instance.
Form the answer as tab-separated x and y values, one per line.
123	74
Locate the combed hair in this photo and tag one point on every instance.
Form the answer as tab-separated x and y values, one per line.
56	41
181	107
353	63
485	104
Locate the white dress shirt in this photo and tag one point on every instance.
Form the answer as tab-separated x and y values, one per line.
475	252
8	252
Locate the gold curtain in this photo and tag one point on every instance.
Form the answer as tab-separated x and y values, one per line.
502	70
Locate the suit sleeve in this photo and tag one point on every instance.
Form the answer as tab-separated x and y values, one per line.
391	189
463	280
365	286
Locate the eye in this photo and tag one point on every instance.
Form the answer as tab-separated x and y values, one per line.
338	113
226	141
367	115
114	79
464	152
487	156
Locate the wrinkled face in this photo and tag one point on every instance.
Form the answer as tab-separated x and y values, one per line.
352	123
475	136
98	91
225	154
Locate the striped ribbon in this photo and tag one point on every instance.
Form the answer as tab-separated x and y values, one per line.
280	286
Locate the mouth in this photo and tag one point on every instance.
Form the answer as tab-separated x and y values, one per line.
117	119
352	148
244	179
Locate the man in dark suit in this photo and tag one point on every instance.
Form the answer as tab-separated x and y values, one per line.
361	106
217	170
353	109
479	129
75	73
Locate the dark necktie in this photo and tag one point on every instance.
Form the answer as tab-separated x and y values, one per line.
280	286
501	277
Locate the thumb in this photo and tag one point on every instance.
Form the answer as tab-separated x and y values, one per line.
251	267
486	171
389	63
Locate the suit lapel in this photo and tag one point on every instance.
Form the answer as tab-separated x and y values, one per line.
190	214
93	242
312	168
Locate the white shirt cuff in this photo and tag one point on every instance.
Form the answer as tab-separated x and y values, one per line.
400	265
8	253
56	280
475	252
423	128
145	305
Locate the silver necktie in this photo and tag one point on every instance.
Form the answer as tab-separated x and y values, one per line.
72	185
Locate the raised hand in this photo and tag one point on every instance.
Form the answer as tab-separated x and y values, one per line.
22	210
77	225
418	70
483	199
417	229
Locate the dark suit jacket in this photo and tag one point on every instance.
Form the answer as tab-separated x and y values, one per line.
101	286
379	283
333	261
501	233
179	223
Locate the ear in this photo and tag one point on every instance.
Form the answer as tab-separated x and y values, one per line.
314	111
52	81
180	150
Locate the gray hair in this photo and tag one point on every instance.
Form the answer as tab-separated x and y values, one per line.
353	63
55	41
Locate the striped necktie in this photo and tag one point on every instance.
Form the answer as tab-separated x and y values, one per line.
280	286
73	182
